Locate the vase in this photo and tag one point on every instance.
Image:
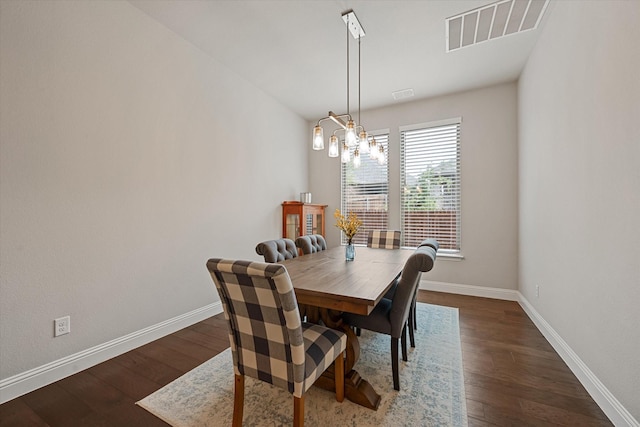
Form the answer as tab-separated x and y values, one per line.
350	252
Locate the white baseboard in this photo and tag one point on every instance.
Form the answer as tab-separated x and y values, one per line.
617	413
25	382
475	291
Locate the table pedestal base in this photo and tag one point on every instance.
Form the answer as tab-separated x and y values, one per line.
356	389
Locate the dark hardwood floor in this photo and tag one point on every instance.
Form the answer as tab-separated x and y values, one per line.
513	377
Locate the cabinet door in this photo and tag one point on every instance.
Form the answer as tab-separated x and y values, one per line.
313	220
292	224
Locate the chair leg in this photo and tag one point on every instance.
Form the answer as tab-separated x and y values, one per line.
358	330
412	337
238	401
415	318
403	339
338	375
298	411
394	363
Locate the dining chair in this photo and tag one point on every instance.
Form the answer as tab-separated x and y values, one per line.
384	239
268	340
413	320
390	316
277	250
311	243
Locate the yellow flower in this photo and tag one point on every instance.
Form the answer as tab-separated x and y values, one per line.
348	225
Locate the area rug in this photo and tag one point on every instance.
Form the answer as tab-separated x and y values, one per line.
431	386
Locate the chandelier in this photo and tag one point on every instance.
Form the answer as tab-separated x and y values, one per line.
356	141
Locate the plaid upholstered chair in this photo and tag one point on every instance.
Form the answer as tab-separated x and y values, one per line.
384	239
277	250
390	316
268	340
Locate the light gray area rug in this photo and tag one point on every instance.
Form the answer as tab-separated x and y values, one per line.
431	386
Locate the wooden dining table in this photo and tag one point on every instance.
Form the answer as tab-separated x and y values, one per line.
326	285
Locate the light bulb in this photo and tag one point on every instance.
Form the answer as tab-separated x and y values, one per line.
318	138
356	158
345	153
373	149
333	146
364	142
381	157
350	135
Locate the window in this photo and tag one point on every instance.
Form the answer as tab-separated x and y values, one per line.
365	191
430	179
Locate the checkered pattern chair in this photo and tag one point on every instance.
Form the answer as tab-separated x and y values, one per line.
384	239
277	250
268	339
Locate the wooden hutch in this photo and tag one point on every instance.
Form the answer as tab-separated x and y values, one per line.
301	219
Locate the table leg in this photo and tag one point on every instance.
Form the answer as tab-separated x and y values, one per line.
357	389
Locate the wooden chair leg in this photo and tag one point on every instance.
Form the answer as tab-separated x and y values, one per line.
238	401
394	363
338	374
298	411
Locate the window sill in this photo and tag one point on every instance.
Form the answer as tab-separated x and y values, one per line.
449	257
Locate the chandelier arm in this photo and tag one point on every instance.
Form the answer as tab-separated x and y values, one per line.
338	119
324	119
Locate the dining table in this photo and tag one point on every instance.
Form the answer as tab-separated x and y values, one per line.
326	285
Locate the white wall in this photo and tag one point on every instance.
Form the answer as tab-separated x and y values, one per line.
489	180
128	158
579	136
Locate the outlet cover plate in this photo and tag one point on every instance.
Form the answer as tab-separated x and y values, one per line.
62	326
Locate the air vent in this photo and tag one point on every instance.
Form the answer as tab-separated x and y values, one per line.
493	21
400	94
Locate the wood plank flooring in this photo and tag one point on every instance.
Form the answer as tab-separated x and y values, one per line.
513	377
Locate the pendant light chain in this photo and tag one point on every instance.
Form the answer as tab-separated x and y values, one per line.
359	122
347	38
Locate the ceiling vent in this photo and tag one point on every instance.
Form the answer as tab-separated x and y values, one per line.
401	94
493	21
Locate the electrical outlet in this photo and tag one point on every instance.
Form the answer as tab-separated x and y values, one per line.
62	326
537	291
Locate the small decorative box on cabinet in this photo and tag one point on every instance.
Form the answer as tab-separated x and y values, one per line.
301	219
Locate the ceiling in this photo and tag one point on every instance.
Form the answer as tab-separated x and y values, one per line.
296	50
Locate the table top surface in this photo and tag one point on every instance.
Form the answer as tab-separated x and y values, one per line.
325	279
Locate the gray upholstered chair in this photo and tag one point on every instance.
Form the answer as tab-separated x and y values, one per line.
384	239
311	243
277	250
390	317
433	243
268	340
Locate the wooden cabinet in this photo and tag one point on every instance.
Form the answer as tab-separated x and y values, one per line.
301	219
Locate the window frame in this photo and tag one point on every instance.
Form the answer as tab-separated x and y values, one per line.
452	245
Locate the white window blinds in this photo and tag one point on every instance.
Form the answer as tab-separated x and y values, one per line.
365	191
430	179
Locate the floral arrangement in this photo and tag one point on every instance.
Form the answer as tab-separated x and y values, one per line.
349	225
